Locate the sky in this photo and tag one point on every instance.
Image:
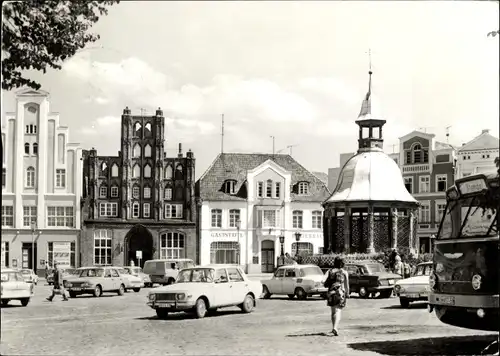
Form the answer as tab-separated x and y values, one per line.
294	70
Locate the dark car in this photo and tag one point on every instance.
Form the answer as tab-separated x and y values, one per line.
368	278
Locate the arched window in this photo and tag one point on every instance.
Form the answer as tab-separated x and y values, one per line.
104	169
297	219
168	172
30	177
114	170
137	129
147	171
35	148
147	151
178	172
136	173
137	150
27	148
136	191
147	130
417	153
305	248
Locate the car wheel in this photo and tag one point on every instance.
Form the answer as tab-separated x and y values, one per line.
137	290
265	292
301	294
25	301
248	304
5	301
386	294
405	303
161	313
291	296
72	294
200	308
363	293
121	290
97	291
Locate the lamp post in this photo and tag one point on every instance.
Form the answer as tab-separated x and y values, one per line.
282	242
33	228
238	225
297	238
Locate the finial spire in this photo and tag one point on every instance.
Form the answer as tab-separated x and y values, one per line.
366	106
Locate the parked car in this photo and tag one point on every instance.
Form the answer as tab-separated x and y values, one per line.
96	280
368	278
203	289
137	271
295	280
14	287
29	276
67	272
163	271
131	282
416	287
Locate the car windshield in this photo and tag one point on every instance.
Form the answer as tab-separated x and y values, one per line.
11	276
311	271
196	275
26	271
122	271
423	270
375	268
92	272
133	270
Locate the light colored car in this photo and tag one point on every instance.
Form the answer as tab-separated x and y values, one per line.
165	271
131	282
137	271
67	273
416	287
14	287
295	280
96	280
29	276
203	289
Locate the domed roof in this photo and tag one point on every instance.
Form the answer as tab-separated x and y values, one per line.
370	176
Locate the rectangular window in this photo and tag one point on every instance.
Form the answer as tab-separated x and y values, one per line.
409	184
277	190
269	189
173	211
103	192
5	254
29	215
441	183
62	253
60	216
102	248
135	210
147	192
224	252
135	192
145	210
216	218
317	219
60	178
425	184
7	216
114	192
260	189
168	193
234	216
108	209
439	211
424	214
270	218
408	157
172	246
297	219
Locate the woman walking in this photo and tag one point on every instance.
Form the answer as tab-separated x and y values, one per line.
337	283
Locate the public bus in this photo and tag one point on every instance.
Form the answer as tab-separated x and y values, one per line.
464	285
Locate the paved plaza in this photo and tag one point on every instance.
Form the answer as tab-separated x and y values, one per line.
113	325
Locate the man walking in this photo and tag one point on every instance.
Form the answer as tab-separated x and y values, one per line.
58	284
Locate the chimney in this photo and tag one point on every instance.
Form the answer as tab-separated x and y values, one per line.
180	151
485	131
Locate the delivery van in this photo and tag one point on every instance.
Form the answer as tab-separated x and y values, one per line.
165	271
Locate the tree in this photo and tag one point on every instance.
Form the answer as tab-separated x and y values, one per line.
37	34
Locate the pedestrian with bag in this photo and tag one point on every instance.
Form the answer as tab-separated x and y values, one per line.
337	283
58	287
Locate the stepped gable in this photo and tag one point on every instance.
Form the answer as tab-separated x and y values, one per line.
235	166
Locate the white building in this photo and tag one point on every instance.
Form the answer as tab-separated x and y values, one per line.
41	186
477	155
270	196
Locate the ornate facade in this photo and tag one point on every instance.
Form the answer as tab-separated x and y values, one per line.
140	200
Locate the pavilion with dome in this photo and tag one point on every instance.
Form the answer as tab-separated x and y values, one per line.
370	209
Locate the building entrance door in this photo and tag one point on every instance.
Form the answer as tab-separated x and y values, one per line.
138	239
267	256
27	256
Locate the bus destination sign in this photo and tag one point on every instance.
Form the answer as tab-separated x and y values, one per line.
472	186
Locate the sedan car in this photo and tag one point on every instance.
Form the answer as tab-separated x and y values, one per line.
368	278
14	287
416	287
137	271
67	272
29	276
295	280
131	282
96	280
203	289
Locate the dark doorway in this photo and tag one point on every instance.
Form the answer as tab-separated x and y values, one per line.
138	239
27	256
267	256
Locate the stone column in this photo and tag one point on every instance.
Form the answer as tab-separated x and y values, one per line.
347	229
371	228
412	219
394	217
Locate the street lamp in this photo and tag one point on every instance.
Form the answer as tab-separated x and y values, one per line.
238	225
282	242
33	228
297	238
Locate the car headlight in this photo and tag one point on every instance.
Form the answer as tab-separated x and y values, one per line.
151	297
476	281
432	281
86	285
398	288
68	285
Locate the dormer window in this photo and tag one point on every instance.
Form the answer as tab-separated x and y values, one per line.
303	188
269	188
229	187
